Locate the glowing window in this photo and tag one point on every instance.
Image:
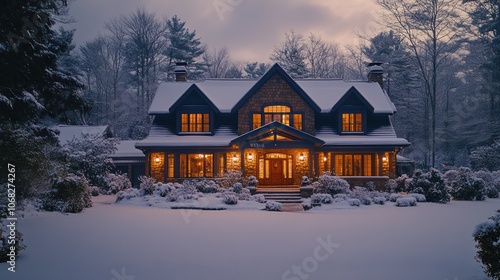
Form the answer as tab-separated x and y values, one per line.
352	122
195	122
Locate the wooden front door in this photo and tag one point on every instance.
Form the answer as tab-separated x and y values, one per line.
276	172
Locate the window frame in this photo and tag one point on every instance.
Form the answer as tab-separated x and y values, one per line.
352	110
291	114
189	110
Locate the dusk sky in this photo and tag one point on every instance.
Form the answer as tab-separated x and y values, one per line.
249	28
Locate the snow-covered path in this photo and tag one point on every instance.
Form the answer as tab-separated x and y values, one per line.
109	241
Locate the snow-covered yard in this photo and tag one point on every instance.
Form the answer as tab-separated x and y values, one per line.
125	242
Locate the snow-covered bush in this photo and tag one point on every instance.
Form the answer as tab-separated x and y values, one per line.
94	191
431	184
331	185
394	196
244	194
305	181
322	198
487	157
237	187
70	193
362	194
406	201
418	182
464	185
340	197
147	184
418	196
230	178
163	190
203	186
379	200
274	206
183	192
487	237
260	198
128	194
354	202
252	181
397	185
489	180
370	186
88	156
117	182
230	198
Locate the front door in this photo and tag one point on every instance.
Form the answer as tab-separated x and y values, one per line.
276	172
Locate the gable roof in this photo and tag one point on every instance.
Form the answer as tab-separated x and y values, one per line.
276	70
228	95
192	90
278	128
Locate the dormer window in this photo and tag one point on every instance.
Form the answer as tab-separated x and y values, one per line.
195	122
352	122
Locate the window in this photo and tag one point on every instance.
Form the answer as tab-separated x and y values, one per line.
352	122
196	165
256	121
353	165
297	121
195	122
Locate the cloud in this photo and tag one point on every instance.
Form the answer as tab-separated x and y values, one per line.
249	28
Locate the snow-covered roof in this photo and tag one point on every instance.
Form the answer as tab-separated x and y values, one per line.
226	93
127	149
68	132
165	138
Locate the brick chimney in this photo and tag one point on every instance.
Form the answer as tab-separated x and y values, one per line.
376	73
180	72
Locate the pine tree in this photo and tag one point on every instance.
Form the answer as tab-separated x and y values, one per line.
255	70
32	84
183	46
291	55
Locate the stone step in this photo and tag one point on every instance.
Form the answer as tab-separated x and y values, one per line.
283	197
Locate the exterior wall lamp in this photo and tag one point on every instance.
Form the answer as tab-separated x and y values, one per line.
250	156
235	158
157	159
301	157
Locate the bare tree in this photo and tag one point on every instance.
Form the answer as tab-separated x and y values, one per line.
217	62
291	55
432	29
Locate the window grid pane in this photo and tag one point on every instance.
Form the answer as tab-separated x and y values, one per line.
352	122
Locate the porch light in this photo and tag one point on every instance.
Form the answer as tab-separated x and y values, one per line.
200	156
325	159
301	157
250	156
157	159
235	158
384	158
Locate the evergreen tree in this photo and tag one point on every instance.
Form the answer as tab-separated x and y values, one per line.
32	84
255	70
183	46
291	55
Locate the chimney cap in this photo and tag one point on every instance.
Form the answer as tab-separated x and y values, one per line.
375	68
375	63
180	67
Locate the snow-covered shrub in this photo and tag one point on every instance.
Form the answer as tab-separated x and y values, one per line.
70	193
487	157
94	191
331	185
322	198
185	191
362	194
162	190
489	180
370	186
394	196
88	156
399	184
418	182
418	196
5	246
379	200
274	206
147	184
464	185
406	201
339	197
230	198
117	182
244	194
128	194
431	185
305	181
252	181
237	187
230	178
259	198
487	237
203	186
354	202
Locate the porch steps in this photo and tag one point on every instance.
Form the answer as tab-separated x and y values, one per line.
282	196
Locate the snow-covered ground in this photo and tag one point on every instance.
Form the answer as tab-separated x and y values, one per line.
125	242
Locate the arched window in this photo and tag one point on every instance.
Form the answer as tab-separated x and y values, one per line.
278	113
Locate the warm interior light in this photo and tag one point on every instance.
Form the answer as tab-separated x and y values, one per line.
384	158
250	156
157	159
235	158
200	156
325	159
301	157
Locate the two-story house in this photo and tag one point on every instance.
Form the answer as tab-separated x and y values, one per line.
275	128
